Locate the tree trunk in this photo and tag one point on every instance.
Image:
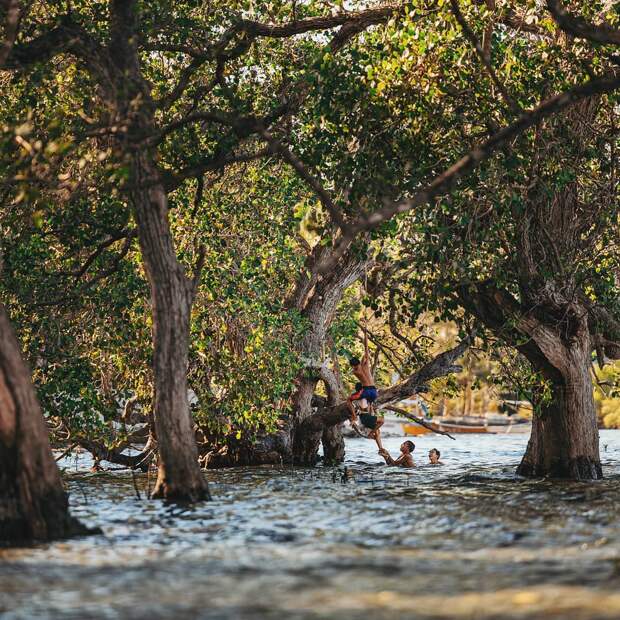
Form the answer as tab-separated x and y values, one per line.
333	445
319	309
179	475
564	442
33	503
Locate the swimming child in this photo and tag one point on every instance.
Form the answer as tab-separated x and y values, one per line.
433	457
406	455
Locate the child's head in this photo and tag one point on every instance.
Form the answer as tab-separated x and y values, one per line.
433	456
358	386
407	447
354	361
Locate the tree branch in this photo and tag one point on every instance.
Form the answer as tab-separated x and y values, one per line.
306	176
214	163
416	419
360	19
66	37
484	58
579	27
100	249
446	180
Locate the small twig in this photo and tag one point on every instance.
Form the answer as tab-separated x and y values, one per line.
135	484
198	269
67	451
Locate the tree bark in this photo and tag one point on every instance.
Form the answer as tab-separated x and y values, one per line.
179	475
172	292
564	442
33	503
333	444
319	305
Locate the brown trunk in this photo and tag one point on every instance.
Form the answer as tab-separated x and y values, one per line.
179	475
319	309
333	445
564	441
33	503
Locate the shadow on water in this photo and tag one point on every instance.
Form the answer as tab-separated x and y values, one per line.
464	540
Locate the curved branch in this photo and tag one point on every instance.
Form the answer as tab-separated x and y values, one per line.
417	420
579	27
350	19
443	182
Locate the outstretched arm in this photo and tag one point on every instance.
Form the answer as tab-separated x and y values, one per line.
386	456
388	459
404	460
366	350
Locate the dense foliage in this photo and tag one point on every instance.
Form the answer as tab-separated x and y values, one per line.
372	121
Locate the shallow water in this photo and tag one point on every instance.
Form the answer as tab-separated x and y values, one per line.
462	540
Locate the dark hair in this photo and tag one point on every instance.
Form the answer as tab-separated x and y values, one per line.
358	386
436	452
410	445
354	361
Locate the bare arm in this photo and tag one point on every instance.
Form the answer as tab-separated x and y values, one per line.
404	460
366	350
388	459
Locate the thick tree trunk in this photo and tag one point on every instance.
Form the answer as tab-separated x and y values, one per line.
179	476
564	442
33	503
333	445
319	309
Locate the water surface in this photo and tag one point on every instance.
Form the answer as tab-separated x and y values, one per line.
463	540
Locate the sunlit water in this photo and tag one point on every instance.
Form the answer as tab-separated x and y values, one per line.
462	540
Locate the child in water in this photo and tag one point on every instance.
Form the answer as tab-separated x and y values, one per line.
433	457
406	455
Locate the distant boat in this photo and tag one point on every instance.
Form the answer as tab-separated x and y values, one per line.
411	428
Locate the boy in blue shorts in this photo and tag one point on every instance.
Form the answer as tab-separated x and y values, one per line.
365	395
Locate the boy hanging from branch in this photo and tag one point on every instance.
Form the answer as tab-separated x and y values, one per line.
364	396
